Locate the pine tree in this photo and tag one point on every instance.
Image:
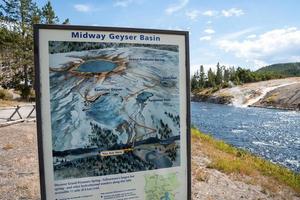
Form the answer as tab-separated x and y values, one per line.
194	83
8	10
48	14
226	75
197	75
219	77
211	78
202	77
18	17
232	74
66	22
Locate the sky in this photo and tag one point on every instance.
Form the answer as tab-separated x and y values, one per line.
249	34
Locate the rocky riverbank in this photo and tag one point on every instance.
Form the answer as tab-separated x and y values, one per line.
285	97
279	93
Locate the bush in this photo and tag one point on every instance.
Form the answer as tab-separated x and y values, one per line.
5	95
25	92
32	95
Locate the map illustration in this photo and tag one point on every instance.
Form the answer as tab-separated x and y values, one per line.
114	108
161	187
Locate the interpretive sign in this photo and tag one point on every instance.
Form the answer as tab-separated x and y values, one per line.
113	113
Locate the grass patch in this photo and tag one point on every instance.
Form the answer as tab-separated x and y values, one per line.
10	103
229	159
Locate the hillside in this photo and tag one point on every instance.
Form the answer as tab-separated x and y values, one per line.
285	69
277	93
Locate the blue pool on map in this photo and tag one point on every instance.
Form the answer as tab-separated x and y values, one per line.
97	66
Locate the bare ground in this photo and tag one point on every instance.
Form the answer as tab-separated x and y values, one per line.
18	162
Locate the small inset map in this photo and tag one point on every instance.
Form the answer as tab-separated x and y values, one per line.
161	187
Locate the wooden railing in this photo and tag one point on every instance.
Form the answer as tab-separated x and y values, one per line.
16	114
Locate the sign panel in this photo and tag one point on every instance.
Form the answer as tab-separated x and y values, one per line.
113	113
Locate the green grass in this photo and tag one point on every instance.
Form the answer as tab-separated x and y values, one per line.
229	159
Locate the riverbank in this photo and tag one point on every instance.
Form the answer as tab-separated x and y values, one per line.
220	171
278	93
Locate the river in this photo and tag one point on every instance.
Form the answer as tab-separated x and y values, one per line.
270	133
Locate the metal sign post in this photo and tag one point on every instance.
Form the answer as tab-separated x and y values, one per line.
113	113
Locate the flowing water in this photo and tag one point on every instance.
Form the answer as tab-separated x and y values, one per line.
270	133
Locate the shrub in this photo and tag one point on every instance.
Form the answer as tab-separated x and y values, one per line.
32	95
5	95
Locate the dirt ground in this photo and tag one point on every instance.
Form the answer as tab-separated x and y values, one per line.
19	178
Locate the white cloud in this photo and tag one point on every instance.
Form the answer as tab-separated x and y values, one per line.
232	12
210	13
122	3
193	15
82	7
278	45
252	36
209	22
205	38
176	7
238	34
224	13
209	31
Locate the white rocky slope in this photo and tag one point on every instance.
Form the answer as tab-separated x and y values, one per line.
251	93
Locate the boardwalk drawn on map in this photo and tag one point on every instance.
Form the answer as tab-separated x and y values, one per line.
114	108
